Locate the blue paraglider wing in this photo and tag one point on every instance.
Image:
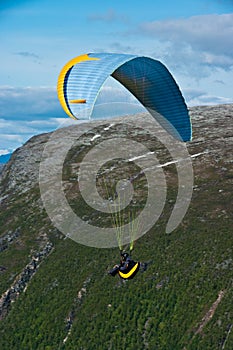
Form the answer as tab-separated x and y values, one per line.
147	79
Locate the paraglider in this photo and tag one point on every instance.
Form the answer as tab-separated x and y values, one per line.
127	268
79	85
81	79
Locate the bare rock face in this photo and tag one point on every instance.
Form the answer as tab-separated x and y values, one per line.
213	131
21	172
210	151
212	134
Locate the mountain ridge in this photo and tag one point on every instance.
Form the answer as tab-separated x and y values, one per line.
71	302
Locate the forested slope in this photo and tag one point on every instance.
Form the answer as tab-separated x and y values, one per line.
57	294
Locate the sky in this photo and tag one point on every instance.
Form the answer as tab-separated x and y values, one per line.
194	39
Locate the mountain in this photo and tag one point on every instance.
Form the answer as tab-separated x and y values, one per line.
55	293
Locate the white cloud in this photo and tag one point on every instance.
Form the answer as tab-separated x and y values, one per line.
19	127
26	103
25	112
195	97
4	151
212	33
10	142
198	40
11	137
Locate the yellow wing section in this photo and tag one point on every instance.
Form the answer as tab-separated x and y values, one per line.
130	273
61	80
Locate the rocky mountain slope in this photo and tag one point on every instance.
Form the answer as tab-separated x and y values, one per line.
56	293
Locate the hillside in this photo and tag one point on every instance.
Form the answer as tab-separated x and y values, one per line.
55	293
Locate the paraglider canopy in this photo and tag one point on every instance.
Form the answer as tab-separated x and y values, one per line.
147	79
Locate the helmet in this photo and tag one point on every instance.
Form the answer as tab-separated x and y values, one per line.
124	256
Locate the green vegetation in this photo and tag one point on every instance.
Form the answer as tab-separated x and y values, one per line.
160	309
71	303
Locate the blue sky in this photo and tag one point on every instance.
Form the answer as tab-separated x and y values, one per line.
194	39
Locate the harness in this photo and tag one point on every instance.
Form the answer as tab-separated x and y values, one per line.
129	273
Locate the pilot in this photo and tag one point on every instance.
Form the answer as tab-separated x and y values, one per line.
127	268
